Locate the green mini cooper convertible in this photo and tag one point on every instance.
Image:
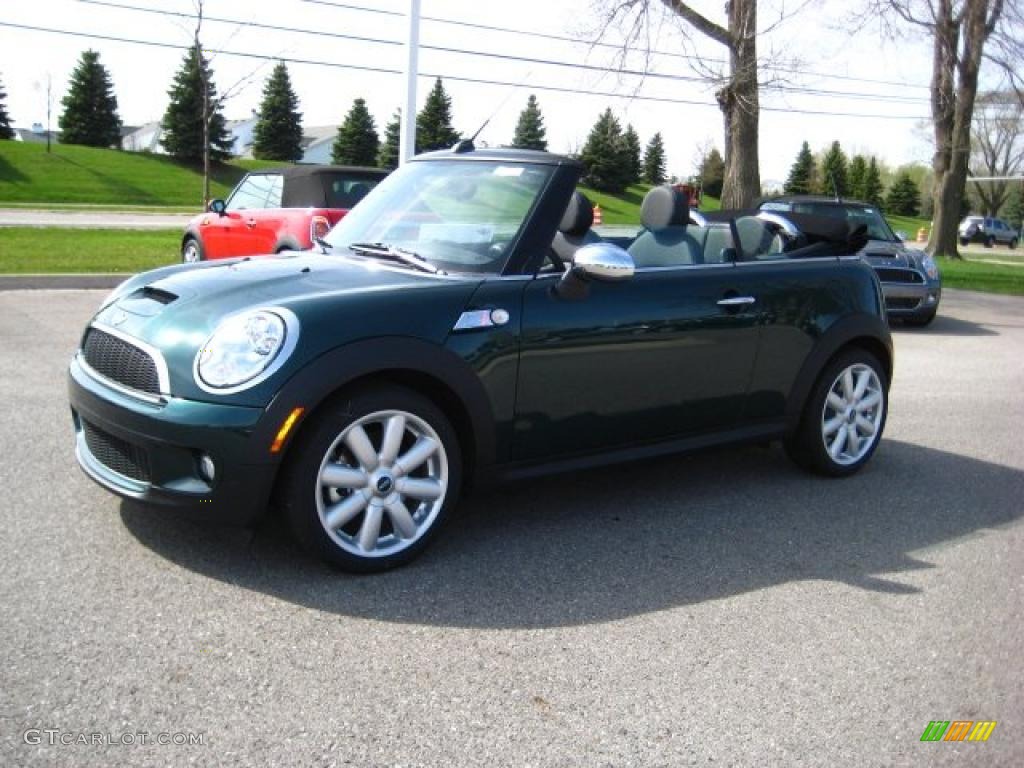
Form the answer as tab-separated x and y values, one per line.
464	325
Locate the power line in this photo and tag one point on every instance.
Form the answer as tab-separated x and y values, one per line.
507	57
614	46
446	76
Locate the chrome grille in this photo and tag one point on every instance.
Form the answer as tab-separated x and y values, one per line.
889	275
121	361
116	454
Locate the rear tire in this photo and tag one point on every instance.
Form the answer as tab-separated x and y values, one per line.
844	416
192	251
372	479
1013	244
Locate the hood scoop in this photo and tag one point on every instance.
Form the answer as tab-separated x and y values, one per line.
147	301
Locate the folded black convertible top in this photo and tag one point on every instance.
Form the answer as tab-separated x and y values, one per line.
851	236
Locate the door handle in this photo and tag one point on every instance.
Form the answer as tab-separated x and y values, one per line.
736	301
250	222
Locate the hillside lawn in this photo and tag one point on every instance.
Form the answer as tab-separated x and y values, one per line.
85	175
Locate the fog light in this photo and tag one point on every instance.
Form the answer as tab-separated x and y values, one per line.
930	299
207	469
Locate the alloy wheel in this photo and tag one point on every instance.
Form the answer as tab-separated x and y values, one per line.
190	253
382	483
851	418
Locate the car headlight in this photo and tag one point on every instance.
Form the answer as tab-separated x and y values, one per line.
245	346
930	267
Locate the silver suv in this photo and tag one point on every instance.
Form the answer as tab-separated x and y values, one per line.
983	229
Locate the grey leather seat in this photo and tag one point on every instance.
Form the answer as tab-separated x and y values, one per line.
574	230
665	242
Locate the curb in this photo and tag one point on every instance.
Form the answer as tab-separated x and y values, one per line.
61	282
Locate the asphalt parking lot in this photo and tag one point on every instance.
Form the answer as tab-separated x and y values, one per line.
719	609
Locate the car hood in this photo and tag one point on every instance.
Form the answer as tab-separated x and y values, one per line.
884	253
337	300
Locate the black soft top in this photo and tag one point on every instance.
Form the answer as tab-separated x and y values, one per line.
849	235
316	186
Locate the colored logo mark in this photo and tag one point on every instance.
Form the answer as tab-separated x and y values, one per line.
958	730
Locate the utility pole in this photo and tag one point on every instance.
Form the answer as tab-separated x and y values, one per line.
49	107
407	135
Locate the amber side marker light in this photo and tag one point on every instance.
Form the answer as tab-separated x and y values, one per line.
286	428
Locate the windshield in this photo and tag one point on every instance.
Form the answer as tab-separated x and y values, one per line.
459	215
878	227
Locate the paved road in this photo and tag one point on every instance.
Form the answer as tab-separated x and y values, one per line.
14	217
721	609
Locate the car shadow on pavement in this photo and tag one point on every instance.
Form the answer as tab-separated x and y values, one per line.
945	325
609	544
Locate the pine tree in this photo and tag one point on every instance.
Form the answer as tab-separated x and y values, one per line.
357	142
634	154
530	131
183	120
904	198
833	180
278	131
856	176
6	132
604	155
90	106
434	122
712	173
1016	207
654	160
801	179
387	155
873	185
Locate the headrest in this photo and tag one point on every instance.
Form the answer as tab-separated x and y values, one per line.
578	216
358	191
664	207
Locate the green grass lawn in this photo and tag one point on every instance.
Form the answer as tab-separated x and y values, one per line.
982	276
28	250
85	175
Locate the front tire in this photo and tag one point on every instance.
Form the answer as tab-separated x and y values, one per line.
1013	244
370	482
191	251
844	416
990	241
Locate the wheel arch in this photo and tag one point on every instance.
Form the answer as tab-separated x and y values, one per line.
287	243
432	371
190	234
867	332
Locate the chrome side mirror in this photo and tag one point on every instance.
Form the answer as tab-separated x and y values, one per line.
603	261
901	235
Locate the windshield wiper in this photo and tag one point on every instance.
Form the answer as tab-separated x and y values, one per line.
382	250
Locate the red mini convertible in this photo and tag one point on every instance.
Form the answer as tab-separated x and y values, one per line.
278	209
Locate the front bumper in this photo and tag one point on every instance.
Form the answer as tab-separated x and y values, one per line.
912	299
152	452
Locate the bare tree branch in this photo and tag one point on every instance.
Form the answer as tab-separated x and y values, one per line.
701	23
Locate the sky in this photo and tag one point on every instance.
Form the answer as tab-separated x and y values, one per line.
877	77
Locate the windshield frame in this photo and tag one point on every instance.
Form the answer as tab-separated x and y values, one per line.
512	259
